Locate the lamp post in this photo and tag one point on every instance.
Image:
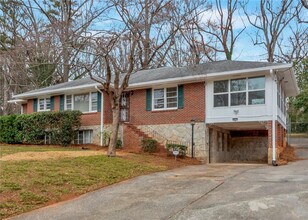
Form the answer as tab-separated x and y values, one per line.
192	122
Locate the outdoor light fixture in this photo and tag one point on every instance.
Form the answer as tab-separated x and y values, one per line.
192	122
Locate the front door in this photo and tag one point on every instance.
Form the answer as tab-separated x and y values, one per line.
124	107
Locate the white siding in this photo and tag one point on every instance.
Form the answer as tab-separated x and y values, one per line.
247	113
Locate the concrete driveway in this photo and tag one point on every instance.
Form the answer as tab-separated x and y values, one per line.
220	191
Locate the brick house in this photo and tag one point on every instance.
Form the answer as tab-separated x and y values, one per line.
238	108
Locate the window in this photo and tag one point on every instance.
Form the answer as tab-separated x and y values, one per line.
84	137
221	89
83	102
165	98
238	92
68	102
241	91
94	101
256	90
44	104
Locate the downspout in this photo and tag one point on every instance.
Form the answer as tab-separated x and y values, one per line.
274	113
102	114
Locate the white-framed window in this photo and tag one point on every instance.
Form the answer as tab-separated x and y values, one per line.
44	104
165	98
221	93
86	102
256	90
84	137
241	91
69	102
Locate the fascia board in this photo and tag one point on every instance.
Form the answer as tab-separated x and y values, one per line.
55	91
204	77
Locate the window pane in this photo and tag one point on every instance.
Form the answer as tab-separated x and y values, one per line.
220	100
94	101
256	98
47	103
80	137
69	102
238	85
41	104
158	93
238	98
256	83
81	102
221	86
158	103
172	105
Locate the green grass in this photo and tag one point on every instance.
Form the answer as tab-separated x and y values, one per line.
26	185
12	149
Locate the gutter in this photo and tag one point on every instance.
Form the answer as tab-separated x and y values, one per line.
102	114
204	77
274	112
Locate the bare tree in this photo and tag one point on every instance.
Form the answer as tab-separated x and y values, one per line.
223	31
116	56
295	47
270	21
69	21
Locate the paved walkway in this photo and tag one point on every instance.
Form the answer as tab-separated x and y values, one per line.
220	191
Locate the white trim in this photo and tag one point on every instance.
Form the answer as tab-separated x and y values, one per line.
56	91
102	115
182	80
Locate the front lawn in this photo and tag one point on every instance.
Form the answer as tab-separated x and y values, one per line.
10	149
29	184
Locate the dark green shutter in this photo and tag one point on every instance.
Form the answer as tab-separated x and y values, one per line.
61	102
52	103
180	96
149	100
99	102
34	105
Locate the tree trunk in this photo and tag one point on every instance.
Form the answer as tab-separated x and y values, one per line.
114	131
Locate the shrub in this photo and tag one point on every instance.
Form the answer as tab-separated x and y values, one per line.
181	148
32	128
119	144
8	130
149	145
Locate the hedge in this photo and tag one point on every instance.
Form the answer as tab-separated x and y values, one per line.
33	128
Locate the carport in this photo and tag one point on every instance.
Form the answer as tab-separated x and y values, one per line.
238	142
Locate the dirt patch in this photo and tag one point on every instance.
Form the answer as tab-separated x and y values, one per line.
52	155
287	155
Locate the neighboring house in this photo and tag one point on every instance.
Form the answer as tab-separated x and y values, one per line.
239	108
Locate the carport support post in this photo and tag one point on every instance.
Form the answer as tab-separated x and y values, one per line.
192	122
274	113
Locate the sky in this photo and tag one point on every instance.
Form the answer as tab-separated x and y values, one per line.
245	48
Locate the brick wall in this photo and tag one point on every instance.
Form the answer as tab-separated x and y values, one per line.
30	106
57	103
280	140
131	140
107	110
194	107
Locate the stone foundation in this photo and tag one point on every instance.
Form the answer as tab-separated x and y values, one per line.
248	149
181	134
